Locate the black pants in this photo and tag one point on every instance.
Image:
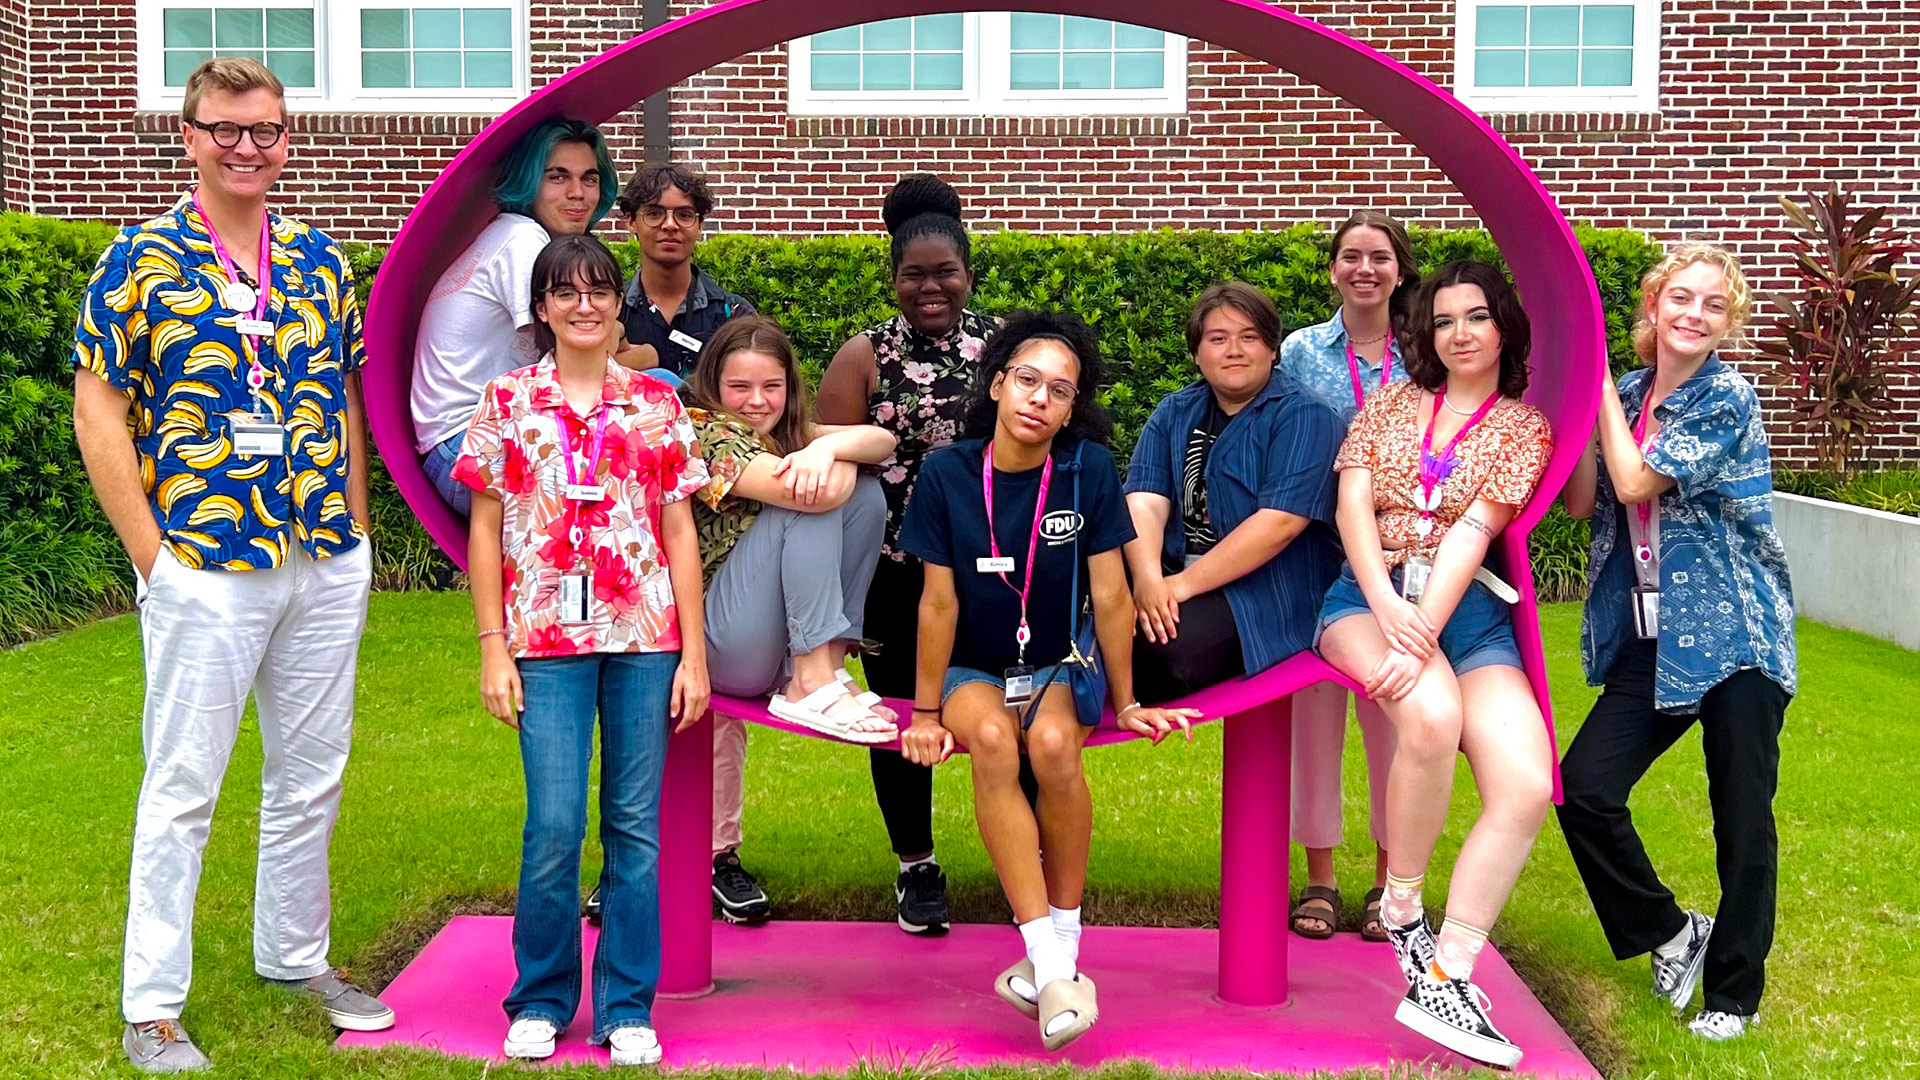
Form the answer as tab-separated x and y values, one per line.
1740	722
903	790
1206	652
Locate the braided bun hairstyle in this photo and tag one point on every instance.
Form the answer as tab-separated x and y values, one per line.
920	205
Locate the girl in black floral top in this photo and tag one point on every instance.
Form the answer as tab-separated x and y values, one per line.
912	375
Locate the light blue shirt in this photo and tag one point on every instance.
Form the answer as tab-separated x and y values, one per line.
1316	358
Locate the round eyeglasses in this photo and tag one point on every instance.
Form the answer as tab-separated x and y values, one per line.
226	133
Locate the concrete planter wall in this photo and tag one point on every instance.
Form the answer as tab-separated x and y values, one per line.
1853	567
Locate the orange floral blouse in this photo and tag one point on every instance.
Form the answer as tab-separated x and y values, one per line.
1500	460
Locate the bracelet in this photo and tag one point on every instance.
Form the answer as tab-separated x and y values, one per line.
935	709
484	634
1124	711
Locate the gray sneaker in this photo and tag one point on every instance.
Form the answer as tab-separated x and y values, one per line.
1676	979
349	1008
162	1046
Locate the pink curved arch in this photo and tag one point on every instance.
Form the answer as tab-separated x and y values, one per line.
1569	327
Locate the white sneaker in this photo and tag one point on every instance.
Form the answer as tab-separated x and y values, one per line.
634	1045
531	1037
1716	1026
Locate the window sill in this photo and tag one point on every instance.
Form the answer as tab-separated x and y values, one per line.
829	127
1543	121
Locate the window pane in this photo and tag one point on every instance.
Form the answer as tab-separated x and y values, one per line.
383	29
893	35
1139	71
436	69
1555	26
845	39
1499	67
886	71
1127	36
1030	31
1079	32
1553	67
937	71
294	66
289	28
1501	26
943	32
489	28
384	69
836	71
1606	67
187	28
490	69
181	62
237	28
1034	71
1086	71
435	28
1608	26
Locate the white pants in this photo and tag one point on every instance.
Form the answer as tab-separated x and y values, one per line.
292	636
1319	740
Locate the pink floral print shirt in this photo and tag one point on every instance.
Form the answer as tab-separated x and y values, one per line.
514	450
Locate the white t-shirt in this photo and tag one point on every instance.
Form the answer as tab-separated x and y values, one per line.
477	325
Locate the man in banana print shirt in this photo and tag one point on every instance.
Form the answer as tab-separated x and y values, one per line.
217	408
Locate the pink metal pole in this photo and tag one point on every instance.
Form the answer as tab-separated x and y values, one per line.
1256	782
686	864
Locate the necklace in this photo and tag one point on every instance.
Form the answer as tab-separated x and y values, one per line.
1367	341
1457	412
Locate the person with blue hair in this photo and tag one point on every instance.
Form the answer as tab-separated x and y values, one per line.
478	323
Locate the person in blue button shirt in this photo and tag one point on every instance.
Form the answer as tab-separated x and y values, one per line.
1682	519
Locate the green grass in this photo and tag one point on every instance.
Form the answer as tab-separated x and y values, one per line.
432	816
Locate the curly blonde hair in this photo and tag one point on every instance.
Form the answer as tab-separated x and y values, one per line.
1678	258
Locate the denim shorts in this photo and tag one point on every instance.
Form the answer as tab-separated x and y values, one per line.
958	677
1479	634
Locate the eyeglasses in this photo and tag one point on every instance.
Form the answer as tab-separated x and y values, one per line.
1027	380
226	133
567	296
684	216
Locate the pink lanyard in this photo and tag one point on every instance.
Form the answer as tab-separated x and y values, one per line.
1435	470
256	375
579	534
1643	551
1022	635
1353	369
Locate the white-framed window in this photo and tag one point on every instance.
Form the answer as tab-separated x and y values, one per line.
1558	55
346	55
989	64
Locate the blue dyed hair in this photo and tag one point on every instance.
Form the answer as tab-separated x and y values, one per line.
526	167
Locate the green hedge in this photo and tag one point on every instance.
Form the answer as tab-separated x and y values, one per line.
1897	491
60	565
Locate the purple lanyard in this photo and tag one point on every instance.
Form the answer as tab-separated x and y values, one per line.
1353	369
1643	551
1022	635
256	375
1435	470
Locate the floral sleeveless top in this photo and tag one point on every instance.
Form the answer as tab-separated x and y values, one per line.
921	389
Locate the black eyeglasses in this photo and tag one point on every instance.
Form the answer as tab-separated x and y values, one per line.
226	133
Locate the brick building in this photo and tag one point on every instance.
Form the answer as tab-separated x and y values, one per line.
1684	119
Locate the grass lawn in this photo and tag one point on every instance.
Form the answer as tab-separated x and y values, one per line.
432	818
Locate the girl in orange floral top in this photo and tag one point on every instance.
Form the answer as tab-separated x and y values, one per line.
586	586
1431	471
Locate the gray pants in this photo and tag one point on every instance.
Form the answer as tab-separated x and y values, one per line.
778	594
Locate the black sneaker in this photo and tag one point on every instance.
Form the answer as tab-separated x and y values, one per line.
1453	1013
591	909
1676	979
1413	946
741	898
921	895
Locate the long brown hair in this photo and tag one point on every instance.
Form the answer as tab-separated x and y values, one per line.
1400	302
754	333
1426	370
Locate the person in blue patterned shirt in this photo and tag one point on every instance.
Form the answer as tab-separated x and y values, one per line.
217	408
1689	619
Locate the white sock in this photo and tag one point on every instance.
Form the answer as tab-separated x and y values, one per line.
906	866
1678	944
1050	961
1066	927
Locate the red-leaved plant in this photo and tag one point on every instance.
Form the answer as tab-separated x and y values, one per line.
1834	343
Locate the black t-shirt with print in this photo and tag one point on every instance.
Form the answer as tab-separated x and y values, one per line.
946	525
1193	480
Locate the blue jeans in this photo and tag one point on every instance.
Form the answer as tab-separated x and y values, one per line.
630	692
439	466
1479	633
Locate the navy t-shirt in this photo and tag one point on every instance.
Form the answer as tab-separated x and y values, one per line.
946	525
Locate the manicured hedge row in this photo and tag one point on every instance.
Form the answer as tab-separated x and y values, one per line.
60	565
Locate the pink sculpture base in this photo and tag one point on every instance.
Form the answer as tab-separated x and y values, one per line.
819	997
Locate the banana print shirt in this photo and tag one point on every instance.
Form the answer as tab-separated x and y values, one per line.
153	324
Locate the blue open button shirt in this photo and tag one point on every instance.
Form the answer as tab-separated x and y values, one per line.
1275	454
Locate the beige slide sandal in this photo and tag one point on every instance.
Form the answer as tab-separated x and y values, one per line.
1063	996
1003	986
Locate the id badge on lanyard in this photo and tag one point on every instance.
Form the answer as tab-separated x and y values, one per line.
1018	679
259	435
1414	574
576	586
1646	591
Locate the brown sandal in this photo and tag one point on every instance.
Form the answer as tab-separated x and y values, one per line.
1373	926
1329	920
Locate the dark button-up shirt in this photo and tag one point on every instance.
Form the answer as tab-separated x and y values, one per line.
706	308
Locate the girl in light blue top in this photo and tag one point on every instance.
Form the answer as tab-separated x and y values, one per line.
1341	362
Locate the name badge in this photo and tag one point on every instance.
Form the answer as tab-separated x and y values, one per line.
1019	679
1001	565
1646	612
586	492
1413	578
573	598
254	327
685	340
258	437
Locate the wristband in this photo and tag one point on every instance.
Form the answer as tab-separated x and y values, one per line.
484	634
928	709
1126	710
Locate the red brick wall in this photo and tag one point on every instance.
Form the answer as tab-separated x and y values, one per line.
1758	98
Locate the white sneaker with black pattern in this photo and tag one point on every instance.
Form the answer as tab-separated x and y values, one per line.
1453	1013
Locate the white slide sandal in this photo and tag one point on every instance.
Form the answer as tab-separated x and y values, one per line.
811	713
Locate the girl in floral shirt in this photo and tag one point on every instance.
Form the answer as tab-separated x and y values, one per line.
586	587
